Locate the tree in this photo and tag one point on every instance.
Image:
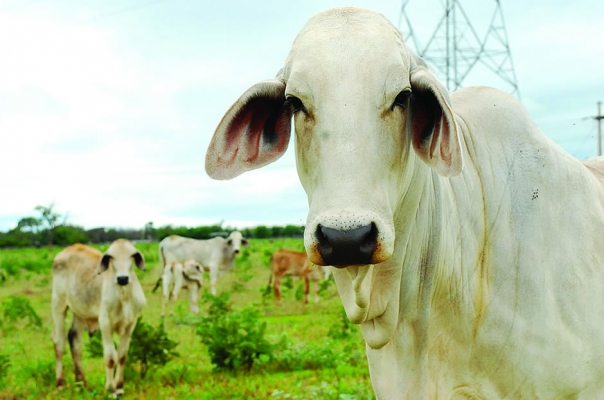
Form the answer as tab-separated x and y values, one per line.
50	219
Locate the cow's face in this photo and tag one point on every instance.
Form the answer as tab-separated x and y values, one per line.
119	258
368	116
234	242
194	271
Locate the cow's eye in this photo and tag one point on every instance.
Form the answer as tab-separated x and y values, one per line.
401	100
296	104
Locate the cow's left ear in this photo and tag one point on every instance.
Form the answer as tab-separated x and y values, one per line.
139	260
104	263
254	132
245	242
434	131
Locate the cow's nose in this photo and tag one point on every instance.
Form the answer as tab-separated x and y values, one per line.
236	251
122	280
350	247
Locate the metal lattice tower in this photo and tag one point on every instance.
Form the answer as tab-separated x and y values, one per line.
455	48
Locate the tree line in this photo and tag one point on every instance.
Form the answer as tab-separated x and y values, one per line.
50	228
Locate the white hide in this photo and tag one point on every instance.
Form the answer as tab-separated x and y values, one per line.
177	276
487	280
216	255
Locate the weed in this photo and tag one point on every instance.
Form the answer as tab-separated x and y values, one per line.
149	347
16	309
235	339
4	366
341	329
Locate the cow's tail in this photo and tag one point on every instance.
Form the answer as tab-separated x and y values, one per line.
162	265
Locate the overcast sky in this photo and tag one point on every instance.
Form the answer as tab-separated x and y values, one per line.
107	106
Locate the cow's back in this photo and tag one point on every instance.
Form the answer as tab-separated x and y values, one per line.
288	262
180	249
77	280
595	165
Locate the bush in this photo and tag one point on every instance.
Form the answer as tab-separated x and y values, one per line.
42	371
289	356
18	309
235	339
4	365
149	347
341	329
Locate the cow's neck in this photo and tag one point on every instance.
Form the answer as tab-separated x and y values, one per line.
433	240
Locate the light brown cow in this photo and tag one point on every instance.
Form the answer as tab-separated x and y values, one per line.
184	276
295	263
101	290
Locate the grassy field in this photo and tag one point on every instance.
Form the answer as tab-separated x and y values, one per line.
340	372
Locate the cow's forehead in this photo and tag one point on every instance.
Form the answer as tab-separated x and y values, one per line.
342	43
121	249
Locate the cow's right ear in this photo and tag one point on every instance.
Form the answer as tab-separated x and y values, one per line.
254	132
104	263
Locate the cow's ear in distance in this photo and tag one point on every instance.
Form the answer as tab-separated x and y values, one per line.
104	263
139	261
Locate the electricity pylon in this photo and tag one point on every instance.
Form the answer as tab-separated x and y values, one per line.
455	47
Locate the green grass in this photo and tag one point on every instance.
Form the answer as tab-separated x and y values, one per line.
190	376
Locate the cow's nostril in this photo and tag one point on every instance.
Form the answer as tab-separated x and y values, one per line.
347	247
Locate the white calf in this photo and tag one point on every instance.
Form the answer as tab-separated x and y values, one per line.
100	290
184	276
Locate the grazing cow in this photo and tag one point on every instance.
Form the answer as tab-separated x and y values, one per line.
215	255
184	276
101	290
466	244
295	263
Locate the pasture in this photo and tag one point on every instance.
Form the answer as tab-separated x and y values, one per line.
338	369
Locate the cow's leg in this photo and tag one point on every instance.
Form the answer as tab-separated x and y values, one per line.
59	311
317	284
213	279
277	289
122	352
166	282
75	343
306	288
109	353
178	282
193	287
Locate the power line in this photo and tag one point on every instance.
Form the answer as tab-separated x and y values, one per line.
455	47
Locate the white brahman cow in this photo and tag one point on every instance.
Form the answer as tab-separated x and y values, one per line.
101	290
177	276
468	245
216	255
295	263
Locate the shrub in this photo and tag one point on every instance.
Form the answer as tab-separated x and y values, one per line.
149	347
4	365
18	309
341	329
235	339
289	356
42	372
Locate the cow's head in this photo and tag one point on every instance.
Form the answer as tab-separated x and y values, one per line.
119	257
234	242
368	116
193	271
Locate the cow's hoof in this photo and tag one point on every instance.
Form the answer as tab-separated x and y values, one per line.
60	383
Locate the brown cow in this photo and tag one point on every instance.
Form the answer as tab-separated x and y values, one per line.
295	263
